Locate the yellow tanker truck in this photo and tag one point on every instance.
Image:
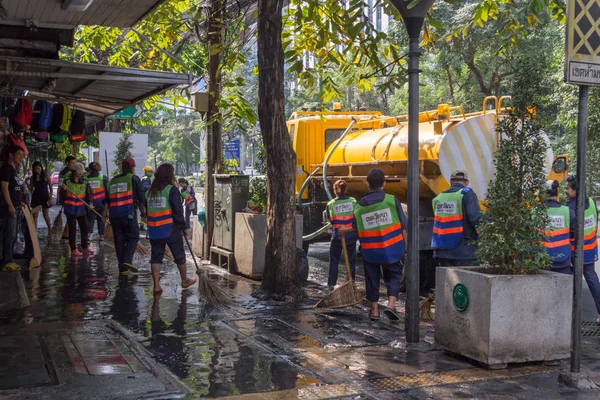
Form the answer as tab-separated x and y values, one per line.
346	145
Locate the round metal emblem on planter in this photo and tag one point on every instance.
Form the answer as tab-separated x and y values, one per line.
460	294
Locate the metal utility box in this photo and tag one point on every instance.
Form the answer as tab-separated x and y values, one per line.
232	193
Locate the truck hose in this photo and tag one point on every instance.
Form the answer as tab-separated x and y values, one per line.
325	227
387	149
348	129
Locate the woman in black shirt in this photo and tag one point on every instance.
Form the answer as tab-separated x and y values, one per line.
41	188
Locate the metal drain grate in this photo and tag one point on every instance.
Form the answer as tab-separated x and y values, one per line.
590	329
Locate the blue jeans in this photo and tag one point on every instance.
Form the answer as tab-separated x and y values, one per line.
589	273
335	254
392	275
8	227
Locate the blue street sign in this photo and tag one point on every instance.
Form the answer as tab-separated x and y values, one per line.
232	149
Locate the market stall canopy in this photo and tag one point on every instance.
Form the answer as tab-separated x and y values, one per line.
96	89
70	13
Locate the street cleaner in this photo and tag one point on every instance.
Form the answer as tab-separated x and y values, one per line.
64	174
557	233
590	239
77	192
125	197
99	186
189	199
381	226
340	212
166	225
457	214
146	183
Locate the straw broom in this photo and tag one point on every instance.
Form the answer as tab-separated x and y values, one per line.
344	296
214	294
57	224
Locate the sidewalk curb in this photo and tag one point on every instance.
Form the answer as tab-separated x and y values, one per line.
146	359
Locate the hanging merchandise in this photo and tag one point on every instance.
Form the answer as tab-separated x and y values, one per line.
45	120
77	127
61	123
23	114
14	140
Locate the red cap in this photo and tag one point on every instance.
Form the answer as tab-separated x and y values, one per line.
129	162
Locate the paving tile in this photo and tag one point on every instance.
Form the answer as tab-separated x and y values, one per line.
109	369
96	348
22	362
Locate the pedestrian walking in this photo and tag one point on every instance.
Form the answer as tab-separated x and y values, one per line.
340	212
558	231
189	199
64	174
10	201
381	226
590	239
98	184
40	187
146	183
457	214
125	197
166	225
77	194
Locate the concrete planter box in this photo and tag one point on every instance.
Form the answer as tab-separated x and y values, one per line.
250	242
508	318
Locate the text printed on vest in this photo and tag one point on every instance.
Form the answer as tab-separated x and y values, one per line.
118	187
590	223
377	218
445	207
343	208
557	221
157	202
95	184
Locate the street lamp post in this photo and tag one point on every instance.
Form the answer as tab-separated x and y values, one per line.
413	17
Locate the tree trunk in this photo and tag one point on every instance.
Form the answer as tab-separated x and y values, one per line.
281	272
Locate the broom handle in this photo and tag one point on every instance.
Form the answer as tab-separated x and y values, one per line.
346	259
192	253
89	207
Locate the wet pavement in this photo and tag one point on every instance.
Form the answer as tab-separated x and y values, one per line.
93	323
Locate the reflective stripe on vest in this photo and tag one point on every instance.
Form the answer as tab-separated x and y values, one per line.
590	232
120	191
380	231
98	192
73	204
341	215
557	233
448	224
189	199
160	214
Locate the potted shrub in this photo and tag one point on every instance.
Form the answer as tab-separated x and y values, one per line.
509	309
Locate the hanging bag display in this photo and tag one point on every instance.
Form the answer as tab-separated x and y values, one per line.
61	123
77	127
23	114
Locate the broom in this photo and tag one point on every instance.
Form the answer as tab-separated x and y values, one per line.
214	294
344	296
57	224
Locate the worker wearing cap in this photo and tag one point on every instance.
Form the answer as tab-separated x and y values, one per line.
558	230
381	226
457	214
590	239
125	196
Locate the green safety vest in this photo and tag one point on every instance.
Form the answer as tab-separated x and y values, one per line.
120	191
74	197
380	231
98	190
341	215
448	224
590	231
558	233
160	214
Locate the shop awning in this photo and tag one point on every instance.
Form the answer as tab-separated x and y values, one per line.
71	13
96	89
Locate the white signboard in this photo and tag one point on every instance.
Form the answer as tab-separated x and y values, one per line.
582	53
108	145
